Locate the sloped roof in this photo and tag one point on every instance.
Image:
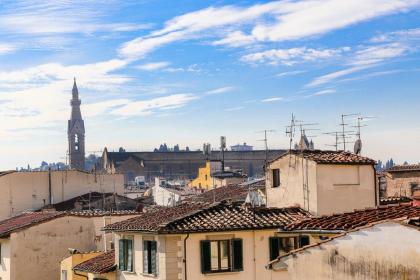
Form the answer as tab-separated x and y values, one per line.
26	220
102	263
331	157
202	217
355	219
230	192
406	167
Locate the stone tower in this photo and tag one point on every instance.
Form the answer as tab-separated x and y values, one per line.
76	132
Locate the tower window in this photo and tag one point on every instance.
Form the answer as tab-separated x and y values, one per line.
76	142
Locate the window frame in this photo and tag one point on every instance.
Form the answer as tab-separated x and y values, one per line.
234	247
275	177
126	261
279	242
149	251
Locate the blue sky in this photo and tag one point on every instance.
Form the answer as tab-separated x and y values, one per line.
186	72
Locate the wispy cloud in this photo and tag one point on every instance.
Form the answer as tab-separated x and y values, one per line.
273	22
272	99
7	48
234	109
292	56
400	35
289	73
220	90
324	92
152	66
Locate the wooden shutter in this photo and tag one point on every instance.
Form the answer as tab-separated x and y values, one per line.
121	263
129	255
205	256
146	257
153	252
274	247
237	255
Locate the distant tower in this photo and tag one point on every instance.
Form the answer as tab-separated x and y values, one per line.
76	132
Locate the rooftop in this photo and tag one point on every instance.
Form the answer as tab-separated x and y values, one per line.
405	167
102	263
205	217
331	157
355	219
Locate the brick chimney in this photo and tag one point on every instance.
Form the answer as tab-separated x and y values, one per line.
416	198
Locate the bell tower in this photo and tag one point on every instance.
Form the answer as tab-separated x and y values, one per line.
76	132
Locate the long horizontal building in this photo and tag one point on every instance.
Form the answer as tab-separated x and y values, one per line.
182	164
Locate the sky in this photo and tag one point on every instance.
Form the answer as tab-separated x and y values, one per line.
186	72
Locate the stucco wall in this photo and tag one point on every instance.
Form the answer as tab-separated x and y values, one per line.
294	171
5	259
386	251
171	251
344	188
22	191
75	259
399	183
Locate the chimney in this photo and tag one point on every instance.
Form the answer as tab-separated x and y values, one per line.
416	198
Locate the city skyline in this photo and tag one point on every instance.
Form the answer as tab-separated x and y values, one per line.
190	72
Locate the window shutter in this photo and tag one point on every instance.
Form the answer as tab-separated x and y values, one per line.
237	254
303	240
129	255
153	251
121	264
205	256
274	247
145	257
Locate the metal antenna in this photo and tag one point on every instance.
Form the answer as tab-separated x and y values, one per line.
266	142
343	125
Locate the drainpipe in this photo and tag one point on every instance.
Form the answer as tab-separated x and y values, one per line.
376	187
185	256
49	186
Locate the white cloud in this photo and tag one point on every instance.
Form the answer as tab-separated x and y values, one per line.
147	107
289	73
220	90
400	35
292	56
7	48
152	66
193	68
325	91
334	75
275	21
272	99
233	109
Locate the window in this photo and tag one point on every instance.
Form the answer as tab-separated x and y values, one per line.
149	257
221	255
125	254
283	245
414	188
276	178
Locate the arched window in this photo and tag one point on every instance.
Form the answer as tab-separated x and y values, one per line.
76	142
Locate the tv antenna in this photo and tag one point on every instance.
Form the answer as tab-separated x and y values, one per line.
358	126
266	141
343	125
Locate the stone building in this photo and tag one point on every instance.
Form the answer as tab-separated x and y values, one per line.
76	132
402	180
183	164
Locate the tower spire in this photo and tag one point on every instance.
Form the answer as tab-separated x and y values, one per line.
76	132
75	91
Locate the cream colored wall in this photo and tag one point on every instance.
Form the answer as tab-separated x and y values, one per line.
5	272
290	192
343	188
38	250
22	191
68	263
107	276
385	251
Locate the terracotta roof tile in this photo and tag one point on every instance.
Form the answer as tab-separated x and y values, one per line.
357	218
26	220
102	263
331	157
406	167
201	217
231	192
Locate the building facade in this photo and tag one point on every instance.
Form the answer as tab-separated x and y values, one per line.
76	132
26	191
321	182
402	180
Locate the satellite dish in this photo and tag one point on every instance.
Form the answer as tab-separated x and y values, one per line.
358	146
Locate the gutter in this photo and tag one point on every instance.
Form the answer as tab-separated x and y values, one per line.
313	231
185	256
376	187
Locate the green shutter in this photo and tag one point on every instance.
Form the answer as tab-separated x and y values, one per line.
129	255
205	256
274	247
153	253
237	255
145	257
121	263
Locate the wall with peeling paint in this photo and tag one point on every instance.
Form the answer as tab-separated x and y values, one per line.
387	251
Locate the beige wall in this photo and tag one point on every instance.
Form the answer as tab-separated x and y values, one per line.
343	188
5	259
385	251
294	171
22	191
171	250
333	188
68	263
399	183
